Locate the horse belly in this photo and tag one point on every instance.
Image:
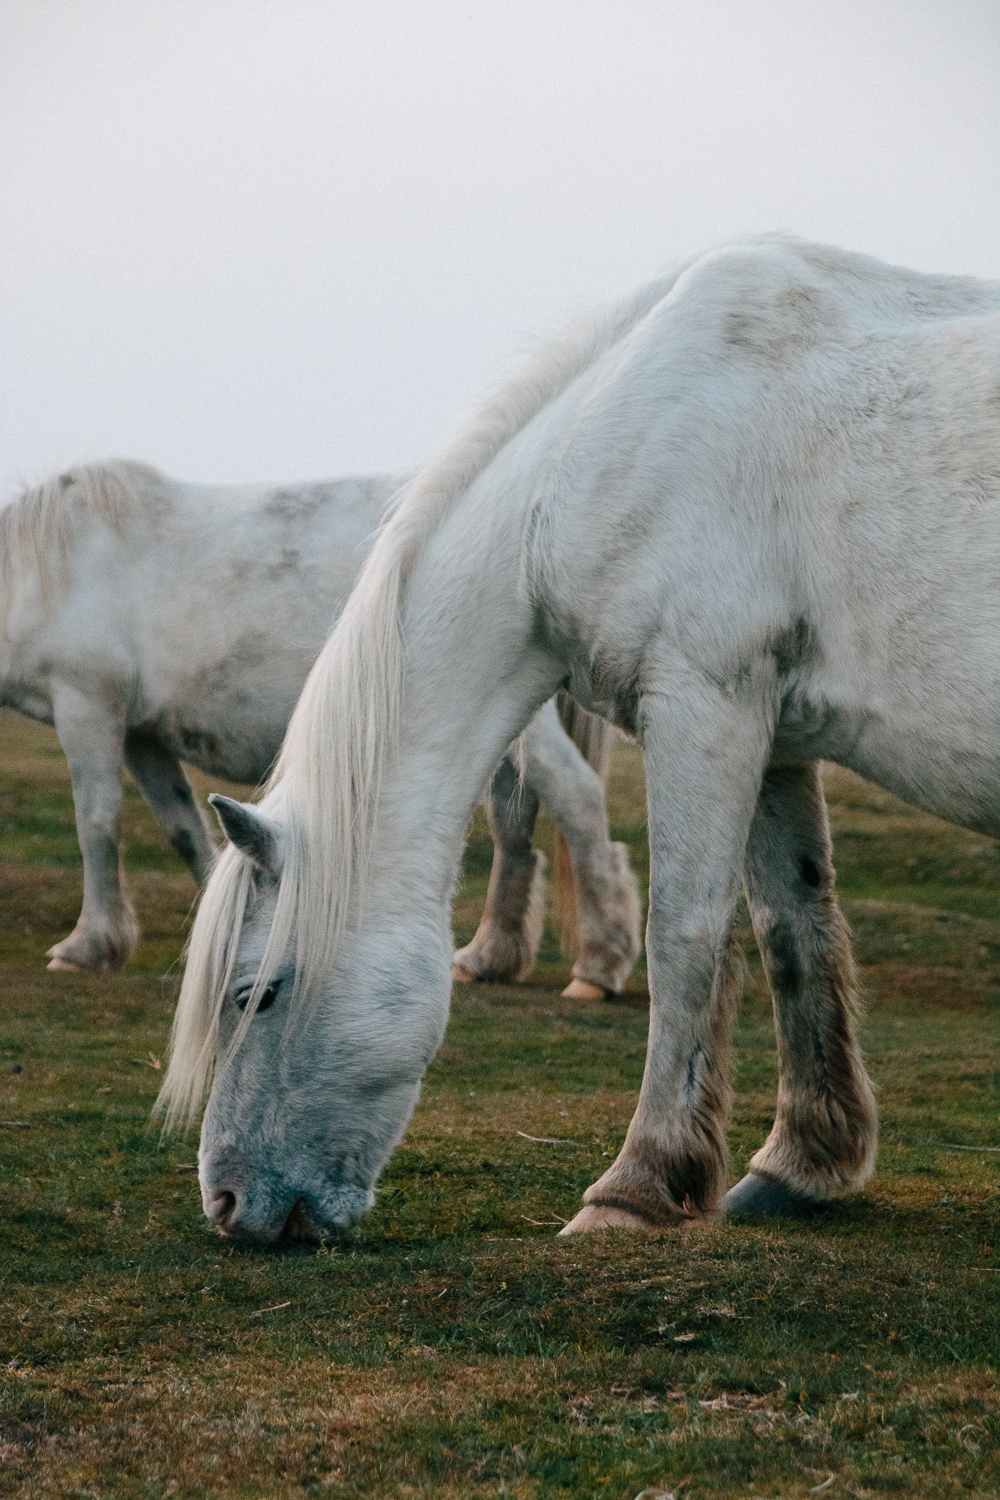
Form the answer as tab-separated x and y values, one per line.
937	750
230	725
219	748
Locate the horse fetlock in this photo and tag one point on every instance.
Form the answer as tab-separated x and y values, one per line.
95	949
820	1148
506	944
491	958
663	1185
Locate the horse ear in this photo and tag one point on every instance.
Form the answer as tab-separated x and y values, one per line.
254	835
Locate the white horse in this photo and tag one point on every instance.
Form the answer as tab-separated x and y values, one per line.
155	622
752	515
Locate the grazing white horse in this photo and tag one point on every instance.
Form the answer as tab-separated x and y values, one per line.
155	622
752	515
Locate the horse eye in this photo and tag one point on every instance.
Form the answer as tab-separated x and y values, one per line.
267	999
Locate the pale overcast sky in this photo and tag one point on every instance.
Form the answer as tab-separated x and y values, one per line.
292	238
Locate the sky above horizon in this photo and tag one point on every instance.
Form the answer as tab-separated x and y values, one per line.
243	240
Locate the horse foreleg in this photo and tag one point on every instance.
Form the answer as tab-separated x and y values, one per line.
506	943
824	1137
705	755
168	792
92	738
608	905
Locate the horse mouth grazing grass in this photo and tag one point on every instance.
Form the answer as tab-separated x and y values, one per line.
298	1228
278	1213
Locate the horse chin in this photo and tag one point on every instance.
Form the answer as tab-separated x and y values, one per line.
317	1220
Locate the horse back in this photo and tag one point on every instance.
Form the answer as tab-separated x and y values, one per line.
198	609
790	472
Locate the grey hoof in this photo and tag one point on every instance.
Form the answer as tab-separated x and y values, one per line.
756	1195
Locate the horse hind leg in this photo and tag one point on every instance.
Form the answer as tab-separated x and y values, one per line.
608	915
824	1138
92	736
596	891
167	790
506	943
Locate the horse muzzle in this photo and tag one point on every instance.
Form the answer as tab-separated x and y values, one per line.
263	1208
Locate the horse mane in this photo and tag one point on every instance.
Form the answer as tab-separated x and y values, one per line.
343	734
38	527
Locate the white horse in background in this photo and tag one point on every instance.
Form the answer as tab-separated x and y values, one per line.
154	622
752	515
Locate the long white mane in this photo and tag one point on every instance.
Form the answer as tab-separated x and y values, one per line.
38	528
325	786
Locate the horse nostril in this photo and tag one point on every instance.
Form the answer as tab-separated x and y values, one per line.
221	1207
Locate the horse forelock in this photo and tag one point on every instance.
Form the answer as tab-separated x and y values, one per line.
211	954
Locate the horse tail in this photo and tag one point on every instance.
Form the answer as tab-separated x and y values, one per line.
595	739
37	529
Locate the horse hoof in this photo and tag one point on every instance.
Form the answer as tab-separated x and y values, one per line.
756	1195
579	989
64	966
603	1216
461	975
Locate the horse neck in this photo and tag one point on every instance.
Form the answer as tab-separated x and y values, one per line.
474	674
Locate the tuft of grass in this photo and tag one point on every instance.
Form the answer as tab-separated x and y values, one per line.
453	1347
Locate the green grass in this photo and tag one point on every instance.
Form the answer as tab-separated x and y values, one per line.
456	1348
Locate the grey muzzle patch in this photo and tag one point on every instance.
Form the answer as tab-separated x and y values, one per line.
342	1207
263	1208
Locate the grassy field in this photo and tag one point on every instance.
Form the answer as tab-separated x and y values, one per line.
455	1348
